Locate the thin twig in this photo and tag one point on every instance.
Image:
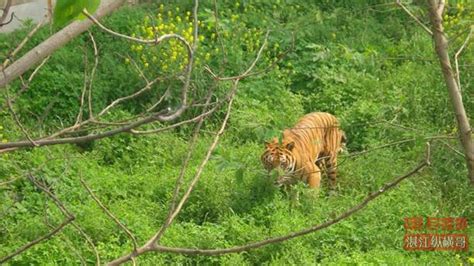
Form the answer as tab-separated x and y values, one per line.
246	73
91	78
89	241
110	214
22	43
69	217
16	119
151	244
399	3
464	45
215	252
6	10
179	180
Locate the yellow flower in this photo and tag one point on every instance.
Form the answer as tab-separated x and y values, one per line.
146	64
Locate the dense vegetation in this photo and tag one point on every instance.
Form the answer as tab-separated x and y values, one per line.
366	62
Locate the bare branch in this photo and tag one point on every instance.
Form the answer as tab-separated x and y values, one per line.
22	43
69	218
88	240
91	78
53	43
6	10
461	49
246	73
274	240
110	214
399	3
151	244
16	119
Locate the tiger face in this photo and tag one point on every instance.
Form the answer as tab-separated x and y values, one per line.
280	156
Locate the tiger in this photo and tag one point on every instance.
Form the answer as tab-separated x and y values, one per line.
313	143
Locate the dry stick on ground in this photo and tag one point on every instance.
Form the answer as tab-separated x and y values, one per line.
314	228
441	46
110	214
69	218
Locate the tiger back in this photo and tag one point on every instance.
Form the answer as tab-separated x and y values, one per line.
313	143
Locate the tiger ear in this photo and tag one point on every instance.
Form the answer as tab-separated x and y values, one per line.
290	146
271	142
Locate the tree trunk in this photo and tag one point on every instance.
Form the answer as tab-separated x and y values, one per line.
441	46
53	43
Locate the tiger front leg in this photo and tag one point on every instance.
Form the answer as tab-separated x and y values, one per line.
313	175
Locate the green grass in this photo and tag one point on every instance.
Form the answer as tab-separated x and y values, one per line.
351	73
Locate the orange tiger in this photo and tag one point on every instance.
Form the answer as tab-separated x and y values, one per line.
315	140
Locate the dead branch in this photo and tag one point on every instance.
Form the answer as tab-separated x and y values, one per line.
6	10
110	214
22	43
163	116
92	75
461	49
16	119
88	240
399	3
247	72
69	217
53	43
152	243
274	240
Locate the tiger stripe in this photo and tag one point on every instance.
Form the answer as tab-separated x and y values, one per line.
313	143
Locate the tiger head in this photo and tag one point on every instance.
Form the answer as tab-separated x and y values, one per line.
280	156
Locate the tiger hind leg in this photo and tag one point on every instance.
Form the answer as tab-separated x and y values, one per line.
331	171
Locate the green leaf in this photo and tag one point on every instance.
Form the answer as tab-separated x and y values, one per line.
67	10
